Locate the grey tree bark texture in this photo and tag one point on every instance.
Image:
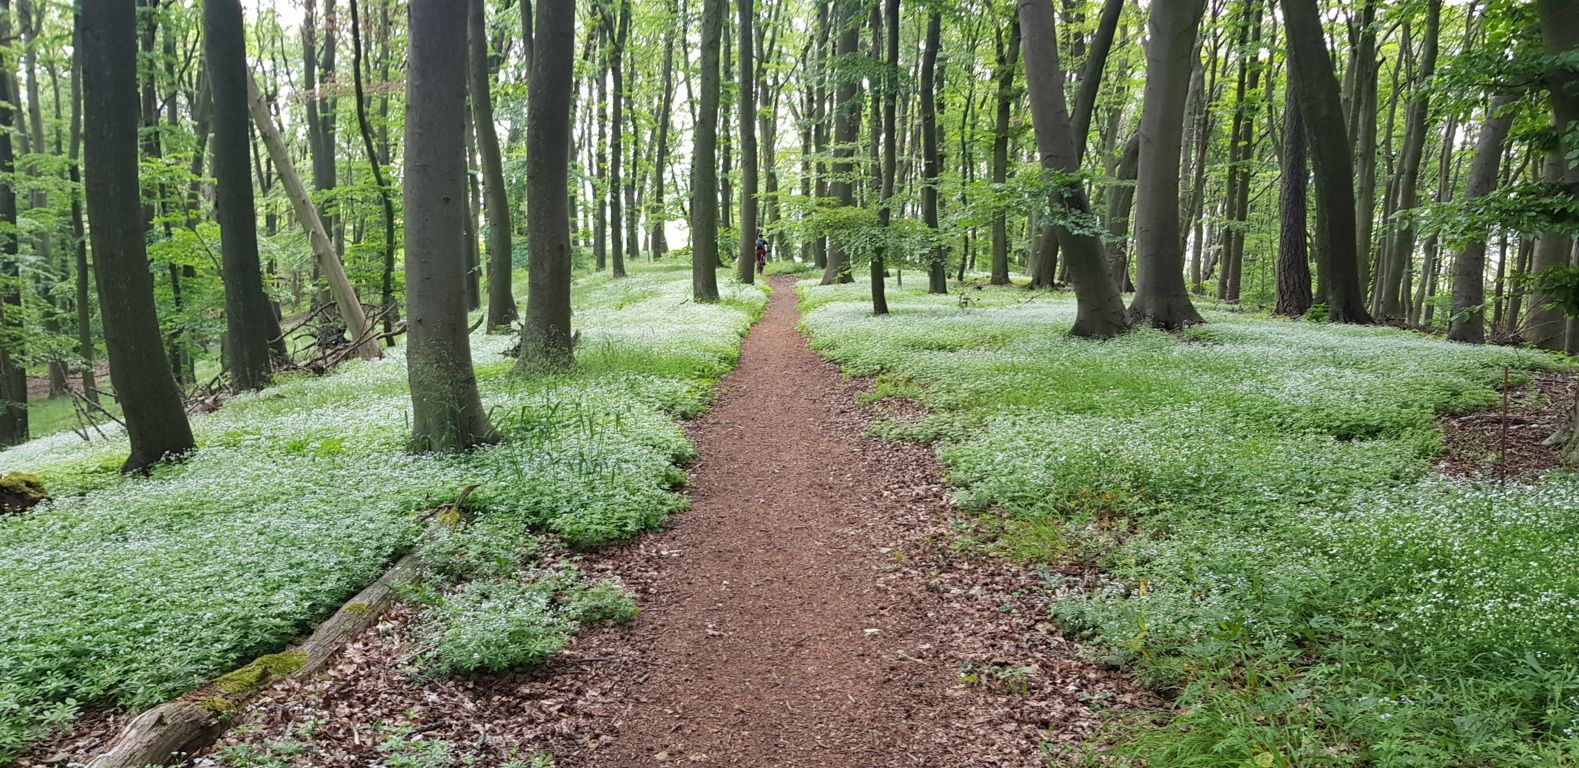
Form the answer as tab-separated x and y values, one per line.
1331	160
546	339
704	161
1099	309
249	319
745	262
150	401
496	201
1468	323
447	413
1161	298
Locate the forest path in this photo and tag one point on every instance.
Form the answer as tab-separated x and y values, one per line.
774	636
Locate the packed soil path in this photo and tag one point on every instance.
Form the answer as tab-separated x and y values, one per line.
773	641
819	605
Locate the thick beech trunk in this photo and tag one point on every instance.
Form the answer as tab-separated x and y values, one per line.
150	401
745	261
1293	254
1468	323
704	161
249	319
1099	307
447	414
546	340
1160	295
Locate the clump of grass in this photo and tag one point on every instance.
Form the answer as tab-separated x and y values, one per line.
1258	490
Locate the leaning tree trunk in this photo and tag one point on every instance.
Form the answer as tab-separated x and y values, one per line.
150	401
1293	255
249	318
328	261
745	263
1160	295
1468	323
704	162
546	340
1007	61
1317	89
1099	306
446	411
937	264
496	200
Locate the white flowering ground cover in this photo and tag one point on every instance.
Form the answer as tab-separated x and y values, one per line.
1259	492
127	591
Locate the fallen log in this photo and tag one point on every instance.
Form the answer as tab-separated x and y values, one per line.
171	733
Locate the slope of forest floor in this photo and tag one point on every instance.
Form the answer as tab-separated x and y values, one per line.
126	591
810	609
1282	561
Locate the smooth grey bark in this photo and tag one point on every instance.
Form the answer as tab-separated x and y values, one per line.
496	200
1160	295
447	413
1120	204
1468	323
156	422
616	137
79	234
745	261
937	263
889	84
846	127
1293	254
249	319
1559	34
1400	254
704	161
546	338
1317	88
1008	60
1099	306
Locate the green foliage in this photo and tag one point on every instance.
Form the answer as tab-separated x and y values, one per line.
127	591
506	624
1257	491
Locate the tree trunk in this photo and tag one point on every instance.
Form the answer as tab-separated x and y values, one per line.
659	215
1317	89
546	340
846	127
1400	256
1559	36
385	196
616	137
889	89
704	162
446	411
496	200
1007	60
249	320
1293	256
79	235
1468	323
746	262
1120	202
1160	295
1099	306
1362	131
328	262
937	258
156	423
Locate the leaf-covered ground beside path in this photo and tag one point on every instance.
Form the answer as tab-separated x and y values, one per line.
127	591
1281	557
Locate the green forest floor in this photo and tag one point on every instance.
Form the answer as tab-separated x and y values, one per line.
127	591
1277	552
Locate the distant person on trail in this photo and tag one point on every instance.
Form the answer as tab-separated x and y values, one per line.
762	254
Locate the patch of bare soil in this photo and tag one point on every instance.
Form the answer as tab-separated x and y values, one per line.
1498	444
807	611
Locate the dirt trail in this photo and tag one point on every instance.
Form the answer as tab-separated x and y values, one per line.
773	638
810	610
784	625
